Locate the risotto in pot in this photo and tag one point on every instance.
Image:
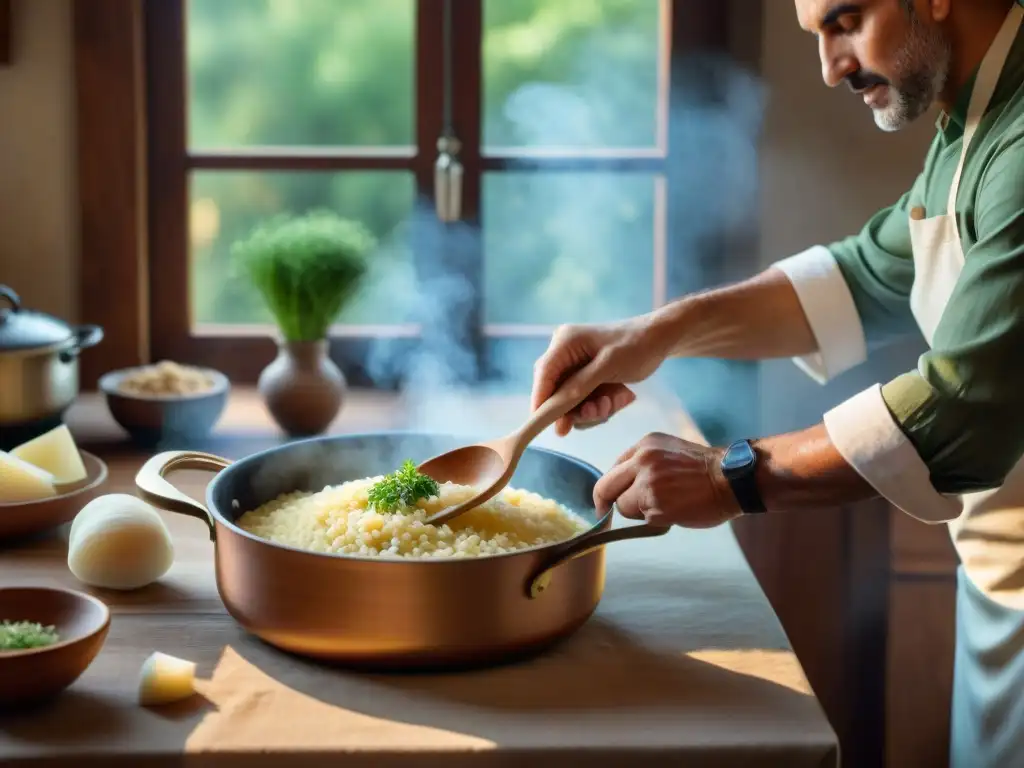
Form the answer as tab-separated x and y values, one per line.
384	517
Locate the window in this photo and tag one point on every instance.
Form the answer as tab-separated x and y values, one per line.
561	110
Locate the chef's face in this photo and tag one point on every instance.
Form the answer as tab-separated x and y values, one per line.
894	53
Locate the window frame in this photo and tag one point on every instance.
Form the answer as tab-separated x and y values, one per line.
141	53
113	239
5	32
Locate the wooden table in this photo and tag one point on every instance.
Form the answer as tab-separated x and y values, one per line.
683	662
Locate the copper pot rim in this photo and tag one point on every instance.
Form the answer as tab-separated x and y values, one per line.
217	517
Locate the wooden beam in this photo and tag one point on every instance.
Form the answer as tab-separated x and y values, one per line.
5	32
111	134
826	574
312	159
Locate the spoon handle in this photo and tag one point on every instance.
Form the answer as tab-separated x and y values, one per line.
574	391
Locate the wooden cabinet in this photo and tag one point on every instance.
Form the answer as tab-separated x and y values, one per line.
867	598
921	640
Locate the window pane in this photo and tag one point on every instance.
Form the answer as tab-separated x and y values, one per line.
571	73
562	248
227	205
300	72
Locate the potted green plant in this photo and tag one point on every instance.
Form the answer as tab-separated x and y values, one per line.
306	269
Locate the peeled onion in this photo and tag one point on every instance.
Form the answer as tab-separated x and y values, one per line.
119	542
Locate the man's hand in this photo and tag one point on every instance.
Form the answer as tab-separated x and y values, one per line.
668	481
616	355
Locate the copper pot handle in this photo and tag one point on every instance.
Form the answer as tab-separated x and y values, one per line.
154	488
587	544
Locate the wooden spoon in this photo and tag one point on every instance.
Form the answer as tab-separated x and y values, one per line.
489	466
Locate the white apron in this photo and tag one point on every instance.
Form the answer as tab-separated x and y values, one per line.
987	719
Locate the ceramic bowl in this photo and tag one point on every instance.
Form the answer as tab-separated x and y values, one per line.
154	419
36	674
30	517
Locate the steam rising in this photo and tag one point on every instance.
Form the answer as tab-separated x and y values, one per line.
713	144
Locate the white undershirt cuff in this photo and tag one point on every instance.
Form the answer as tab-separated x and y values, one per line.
831	313
865	433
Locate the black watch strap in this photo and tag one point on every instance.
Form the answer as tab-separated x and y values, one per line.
739	466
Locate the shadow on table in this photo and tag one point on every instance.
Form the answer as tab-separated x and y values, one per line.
87	718
158	593
82	712
145	598
601	667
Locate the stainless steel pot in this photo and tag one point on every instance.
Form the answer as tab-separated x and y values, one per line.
38	362
401	612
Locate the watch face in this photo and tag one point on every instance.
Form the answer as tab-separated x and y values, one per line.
739	456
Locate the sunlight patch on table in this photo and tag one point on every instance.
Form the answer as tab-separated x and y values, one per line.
779	667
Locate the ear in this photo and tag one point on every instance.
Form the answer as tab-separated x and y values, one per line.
938	9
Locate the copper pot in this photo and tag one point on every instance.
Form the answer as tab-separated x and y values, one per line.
392	613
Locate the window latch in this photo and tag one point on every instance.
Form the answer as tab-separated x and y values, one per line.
448	180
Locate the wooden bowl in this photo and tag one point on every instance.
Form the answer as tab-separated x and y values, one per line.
36	674
29	517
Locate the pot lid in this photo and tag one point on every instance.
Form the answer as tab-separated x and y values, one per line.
22	329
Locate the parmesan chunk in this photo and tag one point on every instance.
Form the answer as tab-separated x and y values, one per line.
54	452
165	679
22	482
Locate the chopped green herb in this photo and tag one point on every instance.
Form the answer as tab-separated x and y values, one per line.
404	487
21	635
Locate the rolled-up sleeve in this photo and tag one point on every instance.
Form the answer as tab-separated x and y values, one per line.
855	292
956	423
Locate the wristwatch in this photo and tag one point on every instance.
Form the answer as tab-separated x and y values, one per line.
739	466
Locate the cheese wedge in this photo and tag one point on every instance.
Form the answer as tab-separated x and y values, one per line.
56	453
165	679
21	482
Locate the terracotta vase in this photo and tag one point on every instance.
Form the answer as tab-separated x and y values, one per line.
303	388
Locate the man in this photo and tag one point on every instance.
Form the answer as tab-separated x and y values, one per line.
942	442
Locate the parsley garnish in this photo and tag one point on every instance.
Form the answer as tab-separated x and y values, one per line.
20	635
404	487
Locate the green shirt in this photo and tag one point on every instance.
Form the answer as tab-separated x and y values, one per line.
963	408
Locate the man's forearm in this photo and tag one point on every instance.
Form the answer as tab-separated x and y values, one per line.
757	319
804	471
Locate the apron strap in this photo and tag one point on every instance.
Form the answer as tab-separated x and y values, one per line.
984	87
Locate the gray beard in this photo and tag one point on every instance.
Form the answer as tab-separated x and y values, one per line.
923	64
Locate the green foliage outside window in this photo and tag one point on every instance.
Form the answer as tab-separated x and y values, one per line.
322	73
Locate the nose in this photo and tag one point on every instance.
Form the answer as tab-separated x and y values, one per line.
836	63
